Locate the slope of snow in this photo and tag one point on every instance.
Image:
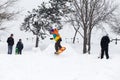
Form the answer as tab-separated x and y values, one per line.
37	64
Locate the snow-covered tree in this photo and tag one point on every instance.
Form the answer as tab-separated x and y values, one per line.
36	22
90	14
42	19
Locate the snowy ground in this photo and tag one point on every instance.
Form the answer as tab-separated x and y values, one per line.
43	64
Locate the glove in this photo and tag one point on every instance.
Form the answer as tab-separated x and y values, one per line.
51	38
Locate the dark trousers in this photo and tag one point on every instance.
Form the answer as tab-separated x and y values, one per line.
104	51
58	45
19	51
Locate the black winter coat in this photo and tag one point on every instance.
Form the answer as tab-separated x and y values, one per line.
104	42
10	41
19	45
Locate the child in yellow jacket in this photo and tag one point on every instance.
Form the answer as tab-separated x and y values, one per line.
57	38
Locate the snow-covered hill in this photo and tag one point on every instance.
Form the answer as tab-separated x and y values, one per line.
37	64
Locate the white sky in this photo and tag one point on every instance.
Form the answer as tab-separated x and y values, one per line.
29	4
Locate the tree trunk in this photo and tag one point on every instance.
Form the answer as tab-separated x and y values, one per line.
75	36
37	41
85	42
89	42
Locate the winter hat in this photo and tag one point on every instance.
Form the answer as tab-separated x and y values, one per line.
51	30
11	35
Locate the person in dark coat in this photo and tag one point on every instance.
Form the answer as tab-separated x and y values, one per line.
104	46
10	42
19	46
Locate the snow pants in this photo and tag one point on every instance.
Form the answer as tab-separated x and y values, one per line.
58	45
19	51
104	51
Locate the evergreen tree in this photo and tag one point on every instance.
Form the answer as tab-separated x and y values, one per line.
35	23
39	21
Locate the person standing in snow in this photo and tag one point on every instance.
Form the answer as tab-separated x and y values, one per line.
19	47
10	42
104	46
57	38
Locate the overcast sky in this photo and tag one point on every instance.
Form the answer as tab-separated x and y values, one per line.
28	5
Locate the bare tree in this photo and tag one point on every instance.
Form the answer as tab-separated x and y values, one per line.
74	22
92	13
5	12
115	24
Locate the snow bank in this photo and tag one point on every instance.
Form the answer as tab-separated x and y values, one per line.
69	65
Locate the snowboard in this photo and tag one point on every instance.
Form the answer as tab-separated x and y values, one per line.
60	50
